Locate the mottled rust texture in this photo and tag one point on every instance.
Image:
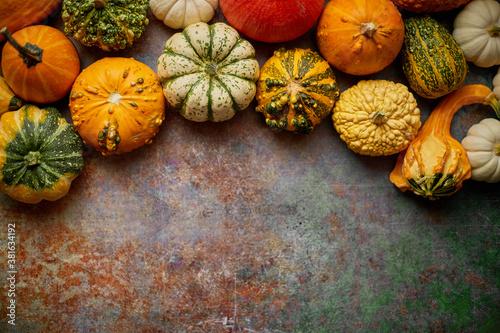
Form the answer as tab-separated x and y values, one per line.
230	227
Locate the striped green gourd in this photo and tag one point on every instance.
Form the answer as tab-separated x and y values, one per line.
432	61
208	72
40	154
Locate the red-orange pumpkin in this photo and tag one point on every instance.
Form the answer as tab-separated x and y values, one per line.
17	14
429	6
272	21
39	63
360	37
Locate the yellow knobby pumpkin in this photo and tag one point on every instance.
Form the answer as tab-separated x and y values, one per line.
377	117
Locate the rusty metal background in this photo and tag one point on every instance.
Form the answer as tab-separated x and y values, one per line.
229	227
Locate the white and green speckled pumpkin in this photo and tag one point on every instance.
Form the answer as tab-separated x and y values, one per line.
40	154
208	72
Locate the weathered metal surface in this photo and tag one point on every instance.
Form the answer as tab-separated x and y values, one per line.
230	227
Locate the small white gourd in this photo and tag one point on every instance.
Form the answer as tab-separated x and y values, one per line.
178	14
482	144
496	84
477	32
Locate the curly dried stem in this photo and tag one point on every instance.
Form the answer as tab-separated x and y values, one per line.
492	101
31	54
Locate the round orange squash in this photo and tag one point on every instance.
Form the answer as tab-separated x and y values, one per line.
17	14
39	63
429	6
360	37
117	105
272	21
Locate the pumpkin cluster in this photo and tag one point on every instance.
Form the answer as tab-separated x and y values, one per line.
209	71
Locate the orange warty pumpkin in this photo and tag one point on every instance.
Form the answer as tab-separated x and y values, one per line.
429	6
39	63
360	37
117	105
17	14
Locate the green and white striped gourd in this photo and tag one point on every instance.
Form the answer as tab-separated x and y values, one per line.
208	72
432	61
40	154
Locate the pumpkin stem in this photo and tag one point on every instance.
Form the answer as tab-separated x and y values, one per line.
15	103
33	158
31	54
114	98
378	117
494	31
497	149
492	101
211	69
100	3
368	29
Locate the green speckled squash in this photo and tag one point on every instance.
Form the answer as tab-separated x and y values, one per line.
432	61
208	72
40	154
110	25
296	90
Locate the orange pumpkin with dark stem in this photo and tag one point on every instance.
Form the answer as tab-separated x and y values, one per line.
39	63
272	21
360	37
17	14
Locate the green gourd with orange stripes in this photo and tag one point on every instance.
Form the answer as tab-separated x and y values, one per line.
432	61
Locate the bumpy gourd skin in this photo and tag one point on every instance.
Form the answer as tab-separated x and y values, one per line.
432	61
377	117
108	24
296	90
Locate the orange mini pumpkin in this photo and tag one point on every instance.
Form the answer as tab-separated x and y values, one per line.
360	37
17	14
117	105
39	63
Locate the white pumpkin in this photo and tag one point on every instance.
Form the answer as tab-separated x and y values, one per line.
178	14
482	144
496	84
208	72
477	32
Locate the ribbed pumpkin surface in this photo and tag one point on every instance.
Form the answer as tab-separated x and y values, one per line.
40	154
117	105
208	72
17	14
296	90
8	100
432	61
49	80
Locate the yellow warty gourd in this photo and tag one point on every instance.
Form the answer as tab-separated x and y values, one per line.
377	117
